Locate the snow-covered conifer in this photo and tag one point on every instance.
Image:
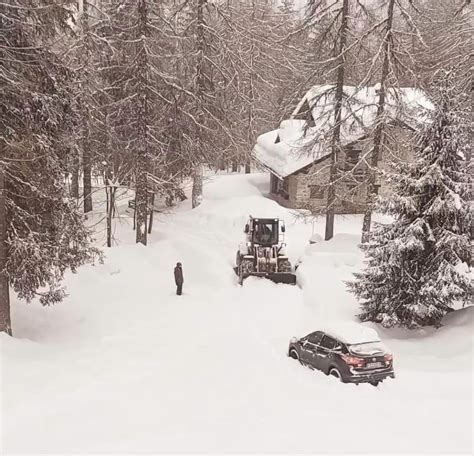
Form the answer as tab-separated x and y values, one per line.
415	270
41	231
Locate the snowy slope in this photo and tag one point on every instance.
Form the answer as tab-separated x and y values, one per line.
124	365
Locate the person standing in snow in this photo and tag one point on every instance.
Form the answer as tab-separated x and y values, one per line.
178	278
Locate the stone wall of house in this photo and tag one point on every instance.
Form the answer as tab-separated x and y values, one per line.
316	175
307	189
350	192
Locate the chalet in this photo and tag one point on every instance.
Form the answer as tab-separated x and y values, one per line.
297	154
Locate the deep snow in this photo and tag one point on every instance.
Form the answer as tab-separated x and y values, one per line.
124	365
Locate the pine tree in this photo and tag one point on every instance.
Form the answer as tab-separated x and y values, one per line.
336	136
200	86
264	69
414	275
210	86
380	121
41	231
85	102
337	39
418	38
138	41
338	29
445	29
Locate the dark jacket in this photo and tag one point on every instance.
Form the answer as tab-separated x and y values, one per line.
178	275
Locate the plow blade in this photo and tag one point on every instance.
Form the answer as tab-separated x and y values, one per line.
282	277
276	277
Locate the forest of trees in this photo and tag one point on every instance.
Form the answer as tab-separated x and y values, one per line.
148	93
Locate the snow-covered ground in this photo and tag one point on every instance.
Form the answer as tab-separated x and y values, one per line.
124	365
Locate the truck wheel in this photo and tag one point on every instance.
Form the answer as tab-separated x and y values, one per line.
245	268
284	266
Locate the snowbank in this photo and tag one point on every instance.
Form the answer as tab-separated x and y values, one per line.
126	366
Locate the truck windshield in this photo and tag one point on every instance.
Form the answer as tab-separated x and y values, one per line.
266	233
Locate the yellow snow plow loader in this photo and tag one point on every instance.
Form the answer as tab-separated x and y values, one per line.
262	254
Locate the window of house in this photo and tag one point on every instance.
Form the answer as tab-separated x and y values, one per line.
376	188
277	140
353	155
316	191
351	161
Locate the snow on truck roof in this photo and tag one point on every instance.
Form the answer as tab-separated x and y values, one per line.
293	146
351	333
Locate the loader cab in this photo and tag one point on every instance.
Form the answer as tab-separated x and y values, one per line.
264	231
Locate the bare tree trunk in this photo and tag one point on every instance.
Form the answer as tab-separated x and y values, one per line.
141	169
108	191
110	194
107	202
5	319
379	126
134	217
152	202
75	174
336	136
87	176
86	146
200	87
169	200
250	126
196	196
141	203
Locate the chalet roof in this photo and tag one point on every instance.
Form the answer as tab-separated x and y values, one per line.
301	142
286	150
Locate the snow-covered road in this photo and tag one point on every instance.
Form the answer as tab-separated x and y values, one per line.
124	365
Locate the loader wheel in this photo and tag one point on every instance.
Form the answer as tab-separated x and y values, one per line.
284	266
245	267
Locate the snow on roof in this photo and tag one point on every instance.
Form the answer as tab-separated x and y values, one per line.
287	149
407	104
351	333
293	146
